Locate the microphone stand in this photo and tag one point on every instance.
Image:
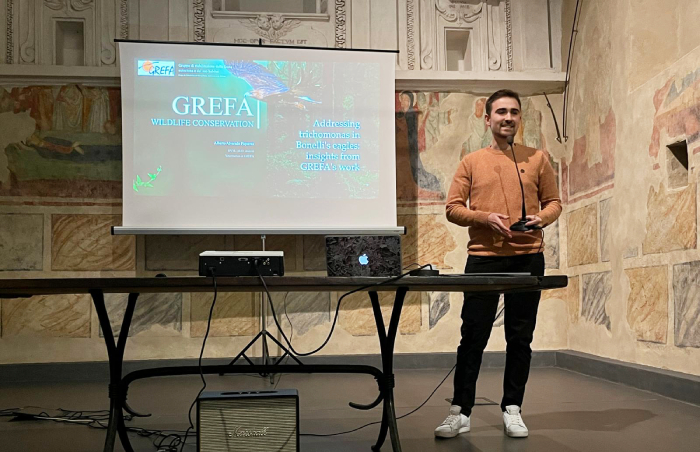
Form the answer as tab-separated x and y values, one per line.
520	225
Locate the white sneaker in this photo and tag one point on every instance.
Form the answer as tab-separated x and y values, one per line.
513	423
454	424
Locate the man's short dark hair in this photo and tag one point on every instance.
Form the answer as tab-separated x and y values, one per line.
500	94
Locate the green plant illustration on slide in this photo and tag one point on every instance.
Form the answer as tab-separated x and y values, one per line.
140	183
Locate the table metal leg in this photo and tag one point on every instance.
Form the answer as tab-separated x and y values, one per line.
387	338
115	353
117	388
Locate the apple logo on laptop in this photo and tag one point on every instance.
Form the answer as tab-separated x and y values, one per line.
364	260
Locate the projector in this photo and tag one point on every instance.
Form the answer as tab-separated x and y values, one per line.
241	263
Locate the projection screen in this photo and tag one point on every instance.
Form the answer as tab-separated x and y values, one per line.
257	139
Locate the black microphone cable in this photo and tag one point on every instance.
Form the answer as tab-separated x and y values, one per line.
325	342
337	308
291	337
417	265
212	272
539	250
379	422
162	440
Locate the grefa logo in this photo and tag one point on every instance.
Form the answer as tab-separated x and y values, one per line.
239	432
156	68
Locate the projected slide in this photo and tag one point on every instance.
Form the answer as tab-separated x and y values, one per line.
288	128
272	135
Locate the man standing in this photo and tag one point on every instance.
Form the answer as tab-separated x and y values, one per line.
488	181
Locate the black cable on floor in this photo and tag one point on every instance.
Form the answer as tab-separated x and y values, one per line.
379	422
165	440
176	437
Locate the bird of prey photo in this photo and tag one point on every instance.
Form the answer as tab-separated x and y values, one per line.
266	86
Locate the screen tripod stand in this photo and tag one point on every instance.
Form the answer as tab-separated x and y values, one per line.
263	336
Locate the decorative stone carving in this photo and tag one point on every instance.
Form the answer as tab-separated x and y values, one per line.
509	36
490	37
9	43
340	25
56	5
271	26
410	30
82	5
124	19
26	48
108	53
458	12
427	19
198	20
76	5
494	37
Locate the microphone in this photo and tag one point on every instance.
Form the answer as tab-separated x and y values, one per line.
520	225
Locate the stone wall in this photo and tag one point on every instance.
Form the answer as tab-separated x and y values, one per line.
628	236
631	213
61	191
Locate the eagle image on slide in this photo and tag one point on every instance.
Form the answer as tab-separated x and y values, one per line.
268	87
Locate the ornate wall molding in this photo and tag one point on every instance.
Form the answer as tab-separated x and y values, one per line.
461	12
198	20
76	5
410	27
304	17
427	22
509	37
271	26
494	37
340	23
56	5
82	5
106	12
27	51
124	19
9	42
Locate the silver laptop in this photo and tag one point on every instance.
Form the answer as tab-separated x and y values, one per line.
363	255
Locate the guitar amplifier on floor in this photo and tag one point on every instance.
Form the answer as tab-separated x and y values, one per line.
255	421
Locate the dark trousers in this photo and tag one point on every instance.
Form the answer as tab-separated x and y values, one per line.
478	315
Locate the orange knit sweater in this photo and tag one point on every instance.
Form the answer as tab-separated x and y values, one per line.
487	179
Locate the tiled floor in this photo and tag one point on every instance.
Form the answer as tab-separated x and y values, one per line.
564	411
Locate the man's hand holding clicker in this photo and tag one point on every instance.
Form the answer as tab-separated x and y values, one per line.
534	220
